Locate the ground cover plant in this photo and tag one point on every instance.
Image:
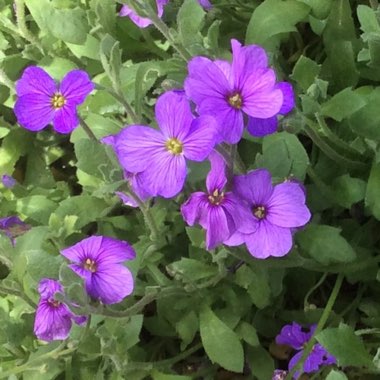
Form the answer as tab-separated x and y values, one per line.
189	189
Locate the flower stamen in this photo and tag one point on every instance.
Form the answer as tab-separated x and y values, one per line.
235	101
216	198
90	265
260	212
174	146
58	101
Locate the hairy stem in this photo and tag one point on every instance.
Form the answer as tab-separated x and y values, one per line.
88	130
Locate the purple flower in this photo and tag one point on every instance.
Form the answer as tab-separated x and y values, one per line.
138	186
160	156
229	91
13	226
53	318
8	181
218	211
41	101
279	374
297	337
276	210
143	22
98	260
260	127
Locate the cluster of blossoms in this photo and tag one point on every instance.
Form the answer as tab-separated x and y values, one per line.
98	260
296	337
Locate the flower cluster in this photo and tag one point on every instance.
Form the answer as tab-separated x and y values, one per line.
98	260
296	337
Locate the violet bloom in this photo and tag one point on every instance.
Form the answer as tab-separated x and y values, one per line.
53	318
98	260
143	22
297	337
218	211
260	127
276	211
8	181
279	374
136	182
230	91
13	226
161	155
41	101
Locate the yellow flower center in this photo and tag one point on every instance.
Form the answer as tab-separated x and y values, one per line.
216	198
54	303
235	101
259	212
174	146
90	265
58	101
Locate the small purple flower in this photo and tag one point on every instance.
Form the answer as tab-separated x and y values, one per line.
279	374
276	210
8	181
297	337
137	184
160	156
53	318
41	101
13	226
230	91
218	211
260	127
143	22
98	260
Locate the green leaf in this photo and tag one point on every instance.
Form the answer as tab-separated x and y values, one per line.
110	56
325	244
221	344
305	72
248	333
343	104
187	327
319	8
191	270
260	362
37	207
284	155
345	346
372	199
368	20
196	236
274	17
163	376
336	375
190	20
348	190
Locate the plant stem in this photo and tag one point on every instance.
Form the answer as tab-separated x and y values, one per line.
88	130
165	31
17	293
24	31
324	317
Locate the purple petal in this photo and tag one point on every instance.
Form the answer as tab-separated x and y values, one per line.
237	238
217	229
35	80
269	240
52	323
141	22
201	138
293	362
138	146
194	210
34	111
216	178
206	81
75	86
126	199
166	174
86	248
255	187
260	97
205	4
113	251
262	127
226	68
48	288
111	284
80	270
288	96
65	119
286	206
8	181
295	335
246	60
173	115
